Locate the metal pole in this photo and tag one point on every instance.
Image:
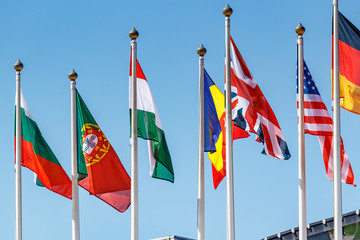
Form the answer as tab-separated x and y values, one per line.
74	167
134	152
336	134
301	136
201	192
227	11
18	199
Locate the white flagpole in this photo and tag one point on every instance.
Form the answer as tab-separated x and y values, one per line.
18	200
301	136
74	166
227	11
336	133
201	191
134	146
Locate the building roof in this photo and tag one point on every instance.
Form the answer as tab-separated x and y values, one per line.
172	237
316	228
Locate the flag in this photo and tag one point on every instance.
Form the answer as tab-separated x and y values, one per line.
250	109
150	128
100	169
349	65
214	124
212	128
318	122
38	157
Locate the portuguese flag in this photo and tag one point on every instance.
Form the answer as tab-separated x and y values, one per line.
349	65
150	128
38	157
99	168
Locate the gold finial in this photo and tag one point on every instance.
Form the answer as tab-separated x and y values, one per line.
201	50
133	34
300	29
72	75
227	11
18	65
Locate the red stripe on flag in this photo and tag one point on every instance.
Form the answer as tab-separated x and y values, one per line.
139	71
326	150
314	105
318	120
349	61
237	133
51	175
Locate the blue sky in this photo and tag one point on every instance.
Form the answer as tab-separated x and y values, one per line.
52	37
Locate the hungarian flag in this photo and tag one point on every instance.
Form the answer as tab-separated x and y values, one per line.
38	157
150	128
250	109
99	168
349	65
214	129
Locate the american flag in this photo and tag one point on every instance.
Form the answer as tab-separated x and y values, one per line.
318	122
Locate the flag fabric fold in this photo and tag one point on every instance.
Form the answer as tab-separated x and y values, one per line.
349	65
101	171
214	129
150	128
250	109
318	122
39	158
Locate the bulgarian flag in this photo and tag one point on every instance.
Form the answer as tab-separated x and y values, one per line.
38	157
149	128
99	167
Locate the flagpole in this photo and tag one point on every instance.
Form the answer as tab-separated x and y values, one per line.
201	191
301	136
336	134
134	152
227	11
74	166
18	199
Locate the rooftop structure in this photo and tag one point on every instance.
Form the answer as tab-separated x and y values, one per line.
323	230
173	237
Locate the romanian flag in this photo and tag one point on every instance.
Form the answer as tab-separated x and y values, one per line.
99	167
349	65
38	157
214	129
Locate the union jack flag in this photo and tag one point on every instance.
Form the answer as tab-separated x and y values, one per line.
317	121
250	109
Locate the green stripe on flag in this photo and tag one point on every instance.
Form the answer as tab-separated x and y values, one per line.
163	167
30	132
83	116
147	129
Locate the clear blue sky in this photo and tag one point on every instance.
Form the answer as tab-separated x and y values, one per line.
52	37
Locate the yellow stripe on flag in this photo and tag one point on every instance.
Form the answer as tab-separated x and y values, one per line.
216	158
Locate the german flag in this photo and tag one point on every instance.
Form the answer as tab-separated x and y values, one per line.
349	65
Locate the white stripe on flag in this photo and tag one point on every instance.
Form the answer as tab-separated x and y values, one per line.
312	98
145	100
235	65
319	127
274	132
315	112
24	105
345	167
151	157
